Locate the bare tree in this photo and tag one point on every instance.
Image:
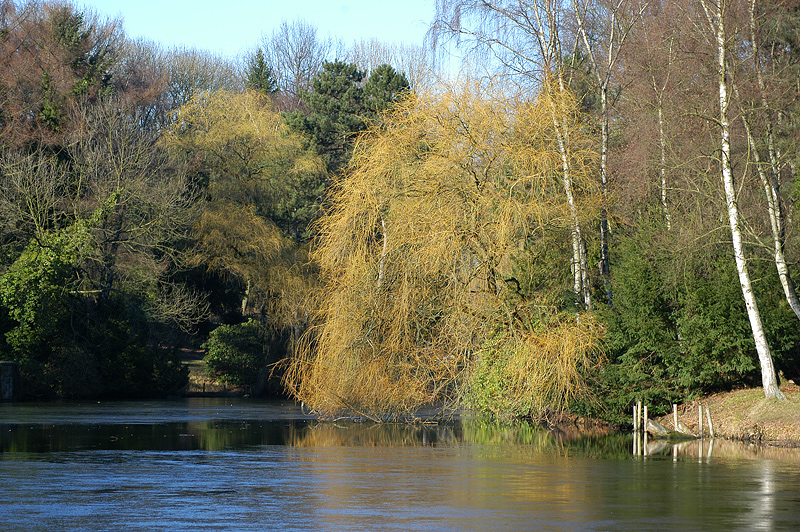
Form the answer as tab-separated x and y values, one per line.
770	179
603	46
414	61
296	53
33	194
192	71
52	56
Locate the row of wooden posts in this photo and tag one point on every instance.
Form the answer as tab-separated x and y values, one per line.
640	420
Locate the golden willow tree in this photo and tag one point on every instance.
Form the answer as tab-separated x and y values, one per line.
421	299
261	187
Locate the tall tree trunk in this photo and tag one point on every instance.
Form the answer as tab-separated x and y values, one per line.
246	298
772	184
768	378
663	163
620	25
774	216
580	266
579	263
605	264
662	138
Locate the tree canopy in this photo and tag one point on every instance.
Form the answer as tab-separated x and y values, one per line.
417	258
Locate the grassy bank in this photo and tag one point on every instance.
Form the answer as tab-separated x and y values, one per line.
746	414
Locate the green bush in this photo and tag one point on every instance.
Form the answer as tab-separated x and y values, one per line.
236	354
679	327
489	391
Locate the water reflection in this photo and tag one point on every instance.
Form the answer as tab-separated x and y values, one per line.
706	449
189	465
216	424
187	436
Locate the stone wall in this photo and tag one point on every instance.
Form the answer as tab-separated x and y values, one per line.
9	381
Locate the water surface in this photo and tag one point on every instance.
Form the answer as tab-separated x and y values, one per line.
221	464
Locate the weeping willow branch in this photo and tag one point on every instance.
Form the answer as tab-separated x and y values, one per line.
436	207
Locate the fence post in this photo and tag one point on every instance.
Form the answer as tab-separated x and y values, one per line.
710	426
638	415
700	420
644	427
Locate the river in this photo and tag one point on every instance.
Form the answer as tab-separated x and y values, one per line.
241	465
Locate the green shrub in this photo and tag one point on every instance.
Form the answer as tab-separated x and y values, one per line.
679	327
236	354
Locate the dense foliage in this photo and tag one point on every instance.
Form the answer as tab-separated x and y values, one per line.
559	234
237	354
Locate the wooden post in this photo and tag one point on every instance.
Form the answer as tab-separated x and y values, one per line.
638	415
700	420
710	426
675	416
644	427
635	427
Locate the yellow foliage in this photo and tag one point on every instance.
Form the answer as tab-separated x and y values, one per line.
231	238
257	172
534	370
245	144
417	248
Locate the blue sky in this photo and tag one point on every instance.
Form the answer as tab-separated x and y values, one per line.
232	26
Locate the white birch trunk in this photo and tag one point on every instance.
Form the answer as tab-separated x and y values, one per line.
605	263
780	260
623	16
663	164
768	379
662	138
771	185
580	266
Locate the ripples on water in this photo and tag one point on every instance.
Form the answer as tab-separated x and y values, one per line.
246	465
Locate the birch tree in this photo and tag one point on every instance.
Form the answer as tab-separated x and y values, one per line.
296	54
774	212
770	178
618	18
413	61
525	38
715	13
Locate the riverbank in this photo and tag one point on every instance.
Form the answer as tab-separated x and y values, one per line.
747	415
200	384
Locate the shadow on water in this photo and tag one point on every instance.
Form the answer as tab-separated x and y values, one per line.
218	424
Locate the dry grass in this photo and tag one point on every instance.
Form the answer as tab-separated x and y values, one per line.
746	414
